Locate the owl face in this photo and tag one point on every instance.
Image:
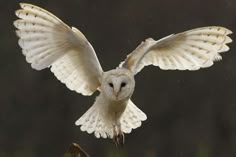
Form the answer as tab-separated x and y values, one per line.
118	84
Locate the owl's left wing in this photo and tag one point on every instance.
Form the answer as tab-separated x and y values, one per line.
190	50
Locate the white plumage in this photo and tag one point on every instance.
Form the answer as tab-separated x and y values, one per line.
190	50
47	42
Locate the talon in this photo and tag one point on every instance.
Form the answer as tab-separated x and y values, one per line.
118	138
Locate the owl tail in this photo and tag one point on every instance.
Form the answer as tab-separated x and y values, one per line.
93	121
132	118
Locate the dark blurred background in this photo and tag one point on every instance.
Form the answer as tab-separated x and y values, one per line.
190	114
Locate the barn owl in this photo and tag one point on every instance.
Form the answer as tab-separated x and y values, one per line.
47	42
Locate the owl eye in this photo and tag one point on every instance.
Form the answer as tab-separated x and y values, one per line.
111	85
123	84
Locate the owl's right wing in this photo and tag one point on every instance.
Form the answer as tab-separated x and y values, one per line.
190	50
46	41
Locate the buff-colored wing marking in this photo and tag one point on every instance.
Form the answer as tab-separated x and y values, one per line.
190	50
46	41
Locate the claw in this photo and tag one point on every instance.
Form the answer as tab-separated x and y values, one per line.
119	140
118	137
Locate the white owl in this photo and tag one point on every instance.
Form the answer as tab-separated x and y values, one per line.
47	42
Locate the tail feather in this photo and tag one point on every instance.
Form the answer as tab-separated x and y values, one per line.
94	121
132	118
89	120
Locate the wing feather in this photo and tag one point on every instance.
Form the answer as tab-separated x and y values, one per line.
190	50
46	41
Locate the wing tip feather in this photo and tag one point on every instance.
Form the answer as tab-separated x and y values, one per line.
78	122
15	23
228	40
35	65
17	12
23	5
228	31
17	33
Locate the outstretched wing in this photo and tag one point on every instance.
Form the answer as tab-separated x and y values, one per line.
190	50
46	41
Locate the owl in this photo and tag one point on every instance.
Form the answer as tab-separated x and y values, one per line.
47	42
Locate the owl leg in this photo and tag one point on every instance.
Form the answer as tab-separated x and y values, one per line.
118	136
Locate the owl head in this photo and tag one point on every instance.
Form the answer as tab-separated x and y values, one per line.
118	84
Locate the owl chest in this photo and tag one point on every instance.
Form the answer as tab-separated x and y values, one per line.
114	109
117	107
111	111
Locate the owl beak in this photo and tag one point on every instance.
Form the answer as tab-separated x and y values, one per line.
117	96
116	93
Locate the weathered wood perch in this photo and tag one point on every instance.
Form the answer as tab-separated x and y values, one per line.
75	150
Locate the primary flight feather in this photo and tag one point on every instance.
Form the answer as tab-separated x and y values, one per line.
47	42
